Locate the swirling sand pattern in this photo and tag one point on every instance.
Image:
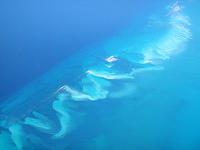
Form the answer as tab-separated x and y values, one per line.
96	82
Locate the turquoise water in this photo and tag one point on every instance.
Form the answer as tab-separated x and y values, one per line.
136	90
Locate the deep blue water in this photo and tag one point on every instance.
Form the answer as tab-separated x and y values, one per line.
100	75
37	35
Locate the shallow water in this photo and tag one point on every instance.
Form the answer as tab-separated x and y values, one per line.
136	90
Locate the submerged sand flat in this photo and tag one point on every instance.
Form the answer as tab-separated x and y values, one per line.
51	109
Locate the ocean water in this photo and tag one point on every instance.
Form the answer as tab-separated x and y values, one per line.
134	88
